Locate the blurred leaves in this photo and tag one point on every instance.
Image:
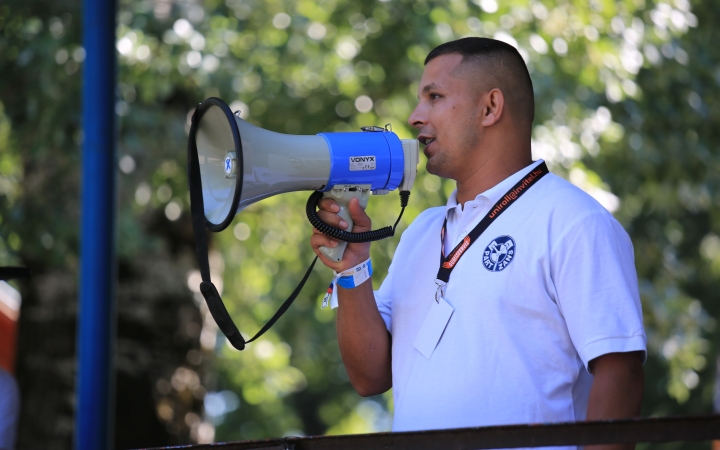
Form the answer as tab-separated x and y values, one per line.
626	101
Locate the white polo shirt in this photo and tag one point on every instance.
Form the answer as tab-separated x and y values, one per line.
518	343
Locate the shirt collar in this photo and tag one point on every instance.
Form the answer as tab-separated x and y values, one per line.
496	192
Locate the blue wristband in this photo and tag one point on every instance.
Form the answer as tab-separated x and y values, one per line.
349	279
356	276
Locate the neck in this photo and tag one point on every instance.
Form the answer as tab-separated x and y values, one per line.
490	173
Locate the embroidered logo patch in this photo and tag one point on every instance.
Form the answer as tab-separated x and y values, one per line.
499	253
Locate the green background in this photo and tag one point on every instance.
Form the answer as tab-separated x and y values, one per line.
627	106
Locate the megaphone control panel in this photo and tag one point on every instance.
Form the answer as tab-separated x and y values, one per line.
365	157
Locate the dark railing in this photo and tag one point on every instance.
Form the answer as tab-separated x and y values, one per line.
665	429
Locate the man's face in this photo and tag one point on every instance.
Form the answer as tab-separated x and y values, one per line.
448	117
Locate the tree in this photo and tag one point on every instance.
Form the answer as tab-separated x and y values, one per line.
158	322
619	87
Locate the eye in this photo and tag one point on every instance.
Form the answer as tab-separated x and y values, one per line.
434	96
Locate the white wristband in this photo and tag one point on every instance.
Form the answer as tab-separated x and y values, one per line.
349	279
355	276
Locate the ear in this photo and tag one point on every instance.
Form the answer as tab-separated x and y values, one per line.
493	106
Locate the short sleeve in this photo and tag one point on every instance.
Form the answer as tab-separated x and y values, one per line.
383	299
593	271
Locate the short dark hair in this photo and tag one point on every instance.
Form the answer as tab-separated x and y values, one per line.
505	66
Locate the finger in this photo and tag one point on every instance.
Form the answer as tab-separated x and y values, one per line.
361	220
320	240
332	219
328	204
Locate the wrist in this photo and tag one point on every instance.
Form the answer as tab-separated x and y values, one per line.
347	279
355	276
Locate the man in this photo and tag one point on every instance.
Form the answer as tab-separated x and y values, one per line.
540	320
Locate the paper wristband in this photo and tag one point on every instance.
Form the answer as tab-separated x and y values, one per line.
356	276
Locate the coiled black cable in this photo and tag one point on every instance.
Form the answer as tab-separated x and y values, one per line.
346	236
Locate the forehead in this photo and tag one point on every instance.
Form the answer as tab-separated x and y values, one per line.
439	73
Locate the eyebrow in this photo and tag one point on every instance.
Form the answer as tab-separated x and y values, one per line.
429	87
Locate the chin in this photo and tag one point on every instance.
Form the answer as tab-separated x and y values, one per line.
430	167
434	168
436	161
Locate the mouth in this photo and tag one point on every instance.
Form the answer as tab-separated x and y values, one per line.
425	140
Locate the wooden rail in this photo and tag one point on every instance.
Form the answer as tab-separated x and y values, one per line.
665	429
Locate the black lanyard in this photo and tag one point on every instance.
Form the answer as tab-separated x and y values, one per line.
447	264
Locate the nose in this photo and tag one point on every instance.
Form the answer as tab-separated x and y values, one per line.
418	118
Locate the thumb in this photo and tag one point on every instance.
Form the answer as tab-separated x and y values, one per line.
361	221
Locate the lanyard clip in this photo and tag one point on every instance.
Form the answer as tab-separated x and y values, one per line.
440	292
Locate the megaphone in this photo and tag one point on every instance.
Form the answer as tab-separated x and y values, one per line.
241	164
233	164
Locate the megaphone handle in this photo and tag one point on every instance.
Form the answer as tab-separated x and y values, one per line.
343	201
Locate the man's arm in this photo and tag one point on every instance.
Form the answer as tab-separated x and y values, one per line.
617	390
363	338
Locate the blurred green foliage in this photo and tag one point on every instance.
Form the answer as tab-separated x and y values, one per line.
626	103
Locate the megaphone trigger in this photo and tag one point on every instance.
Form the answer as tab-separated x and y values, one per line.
344	236
342	196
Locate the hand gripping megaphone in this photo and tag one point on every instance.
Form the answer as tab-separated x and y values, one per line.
233	164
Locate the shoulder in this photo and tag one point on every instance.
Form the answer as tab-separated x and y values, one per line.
573	215
562	195
566	203
568	210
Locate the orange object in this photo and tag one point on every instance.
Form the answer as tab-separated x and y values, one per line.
9	314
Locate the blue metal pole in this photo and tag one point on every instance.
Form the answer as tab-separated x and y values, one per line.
96	326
